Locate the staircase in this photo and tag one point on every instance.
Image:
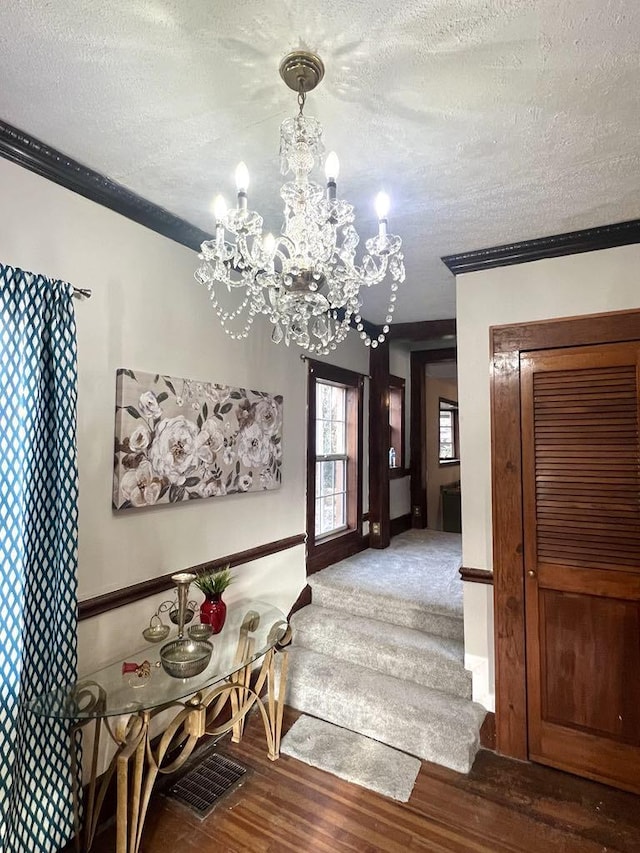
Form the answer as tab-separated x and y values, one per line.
384	657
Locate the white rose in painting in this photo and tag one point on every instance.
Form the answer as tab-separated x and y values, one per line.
253	447
229	455
139	438
218	394
267	480
244	482
173	453
149	405
139	486
211	489
267	415
210	440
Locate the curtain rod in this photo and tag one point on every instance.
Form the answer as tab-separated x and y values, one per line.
81	292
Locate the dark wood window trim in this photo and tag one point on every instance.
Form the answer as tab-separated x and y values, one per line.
397	429
331	549
506	345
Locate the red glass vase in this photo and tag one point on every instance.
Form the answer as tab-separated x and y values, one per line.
213	611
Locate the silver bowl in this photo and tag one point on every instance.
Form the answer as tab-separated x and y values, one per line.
200	631
185	658
156	633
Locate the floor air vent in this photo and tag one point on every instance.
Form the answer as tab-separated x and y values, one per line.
201	788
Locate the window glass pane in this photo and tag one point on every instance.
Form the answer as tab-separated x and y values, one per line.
446	435
330	420
323	400
338	401
338	437
330	514
330	477
323	438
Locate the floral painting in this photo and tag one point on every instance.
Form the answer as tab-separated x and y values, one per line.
179	439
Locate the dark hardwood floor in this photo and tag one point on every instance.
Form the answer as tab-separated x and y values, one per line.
501	806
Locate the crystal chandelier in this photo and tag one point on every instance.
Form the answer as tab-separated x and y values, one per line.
306	280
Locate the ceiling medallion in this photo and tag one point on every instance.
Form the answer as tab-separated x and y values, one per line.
306	280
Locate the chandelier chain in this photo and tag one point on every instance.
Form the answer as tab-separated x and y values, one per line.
302	95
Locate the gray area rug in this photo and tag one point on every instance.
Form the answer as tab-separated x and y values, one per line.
380	650
352	757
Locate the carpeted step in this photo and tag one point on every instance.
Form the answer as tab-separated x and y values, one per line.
419	720
404	653
415	583
351	756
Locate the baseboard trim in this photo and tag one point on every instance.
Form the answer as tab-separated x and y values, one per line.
136	592
400	524
482	688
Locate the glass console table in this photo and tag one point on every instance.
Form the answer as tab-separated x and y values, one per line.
212	703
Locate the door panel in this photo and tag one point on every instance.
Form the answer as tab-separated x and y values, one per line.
581	491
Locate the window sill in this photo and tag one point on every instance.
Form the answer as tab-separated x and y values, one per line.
397	472
444	463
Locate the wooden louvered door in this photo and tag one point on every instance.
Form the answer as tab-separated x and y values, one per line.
581	490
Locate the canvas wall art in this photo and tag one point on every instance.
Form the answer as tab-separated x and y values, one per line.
179	439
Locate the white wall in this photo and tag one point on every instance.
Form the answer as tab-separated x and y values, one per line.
587	283
437	475
148	313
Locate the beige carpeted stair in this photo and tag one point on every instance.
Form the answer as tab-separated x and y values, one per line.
379	651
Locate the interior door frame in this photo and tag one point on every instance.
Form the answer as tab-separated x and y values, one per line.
506	345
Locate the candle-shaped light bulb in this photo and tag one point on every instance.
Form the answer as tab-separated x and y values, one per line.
269	244
382	209
219	208
242	184
382	205
242	177
332	167
219	212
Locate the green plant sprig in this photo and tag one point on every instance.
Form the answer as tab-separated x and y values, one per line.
213	583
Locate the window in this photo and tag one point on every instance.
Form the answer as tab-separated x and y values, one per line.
334	464
448	437
331	458
396	427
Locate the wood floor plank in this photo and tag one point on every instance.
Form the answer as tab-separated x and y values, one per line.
502	806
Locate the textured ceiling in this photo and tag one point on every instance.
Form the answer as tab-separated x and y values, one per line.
486	120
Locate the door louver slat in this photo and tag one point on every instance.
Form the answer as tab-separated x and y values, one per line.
586	467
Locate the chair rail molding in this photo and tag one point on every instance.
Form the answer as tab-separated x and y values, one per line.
129	594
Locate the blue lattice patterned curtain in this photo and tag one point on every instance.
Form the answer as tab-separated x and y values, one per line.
38	555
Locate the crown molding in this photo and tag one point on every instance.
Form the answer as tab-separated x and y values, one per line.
48	162
572	243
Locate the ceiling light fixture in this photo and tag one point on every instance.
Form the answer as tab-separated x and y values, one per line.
306	280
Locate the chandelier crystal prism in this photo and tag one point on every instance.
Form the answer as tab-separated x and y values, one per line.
306	280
